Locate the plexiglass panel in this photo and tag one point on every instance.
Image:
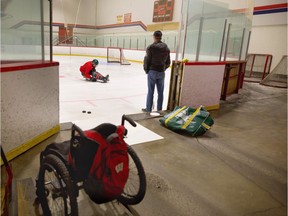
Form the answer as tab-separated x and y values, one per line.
21	31
210	30
141	42
114	41
214	29
191	40
149	40
134	42
127	42
121	42
138	41
107	41
212	33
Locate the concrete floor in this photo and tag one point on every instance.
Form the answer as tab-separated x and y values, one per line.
239	168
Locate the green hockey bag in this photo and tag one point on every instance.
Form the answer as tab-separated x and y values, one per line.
193	121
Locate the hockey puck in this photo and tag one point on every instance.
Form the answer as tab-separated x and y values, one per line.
83	111
89	112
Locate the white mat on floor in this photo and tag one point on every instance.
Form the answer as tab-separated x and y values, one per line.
136	135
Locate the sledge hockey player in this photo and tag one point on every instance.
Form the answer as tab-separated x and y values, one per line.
88	71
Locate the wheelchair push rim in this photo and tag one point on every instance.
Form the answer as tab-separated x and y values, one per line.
54	188
135	188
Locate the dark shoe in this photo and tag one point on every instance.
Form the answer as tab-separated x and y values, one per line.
105	79
145	110
93	79
161	112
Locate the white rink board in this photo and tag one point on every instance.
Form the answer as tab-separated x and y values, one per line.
29	104
202	85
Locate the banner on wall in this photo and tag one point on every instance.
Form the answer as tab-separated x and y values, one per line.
163	10
120	19
65	35
127	17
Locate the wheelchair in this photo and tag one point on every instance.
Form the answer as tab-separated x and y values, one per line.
58	183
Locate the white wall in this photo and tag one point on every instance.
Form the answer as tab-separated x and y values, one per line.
105	12
268	2
74	11
234	4
108	10
269	40
269	33
71	12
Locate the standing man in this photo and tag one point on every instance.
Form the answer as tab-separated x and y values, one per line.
156	61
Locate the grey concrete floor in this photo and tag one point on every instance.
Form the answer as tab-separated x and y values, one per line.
239	168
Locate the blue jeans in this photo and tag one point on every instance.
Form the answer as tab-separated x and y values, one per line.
155	78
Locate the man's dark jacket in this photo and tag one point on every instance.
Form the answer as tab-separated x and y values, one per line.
157	57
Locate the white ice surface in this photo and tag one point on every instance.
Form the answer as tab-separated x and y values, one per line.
125	93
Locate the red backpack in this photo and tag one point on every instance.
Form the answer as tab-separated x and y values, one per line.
102	161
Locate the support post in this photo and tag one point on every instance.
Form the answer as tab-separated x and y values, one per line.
51	28
227	41
199	39
242	41
223	38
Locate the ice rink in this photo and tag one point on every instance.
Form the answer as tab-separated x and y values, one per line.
125	93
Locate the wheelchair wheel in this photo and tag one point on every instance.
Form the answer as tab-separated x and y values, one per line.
135	188
55	190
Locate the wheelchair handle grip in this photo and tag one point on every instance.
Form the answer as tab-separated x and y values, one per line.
76	128
126	118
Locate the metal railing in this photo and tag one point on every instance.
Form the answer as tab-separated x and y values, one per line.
75	41
137	41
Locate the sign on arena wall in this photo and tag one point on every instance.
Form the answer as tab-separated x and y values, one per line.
65	35
120	19
127	17
163	10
